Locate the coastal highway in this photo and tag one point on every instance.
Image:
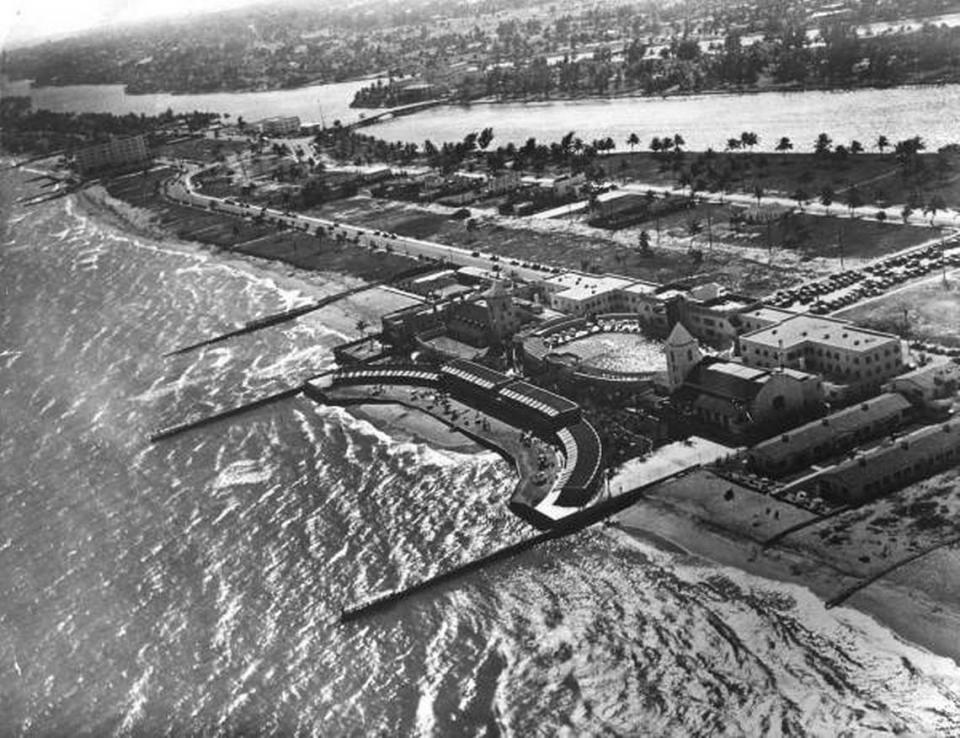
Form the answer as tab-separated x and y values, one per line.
181	190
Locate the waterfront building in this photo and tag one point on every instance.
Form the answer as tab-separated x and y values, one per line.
683	355
854	361
542	408
739	399
892	465
279	126
489	318
831	435
116	152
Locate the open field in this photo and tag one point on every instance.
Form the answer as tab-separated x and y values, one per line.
809	235
244	236
565	248
928	311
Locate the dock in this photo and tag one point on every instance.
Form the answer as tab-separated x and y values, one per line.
284	316
175	430
387	601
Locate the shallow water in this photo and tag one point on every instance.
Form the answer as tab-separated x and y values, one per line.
193	586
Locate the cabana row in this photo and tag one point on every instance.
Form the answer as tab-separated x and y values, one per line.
578	479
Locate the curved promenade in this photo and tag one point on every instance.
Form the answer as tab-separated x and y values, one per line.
559	468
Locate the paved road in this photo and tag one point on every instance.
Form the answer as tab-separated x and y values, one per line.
181	189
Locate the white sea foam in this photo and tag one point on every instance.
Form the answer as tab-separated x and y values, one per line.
136	701
240	472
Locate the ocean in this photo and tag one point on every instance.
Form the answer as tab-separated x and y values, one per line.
193	586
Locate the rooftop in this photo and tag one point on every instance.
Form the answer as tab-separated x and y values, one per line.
888	458
805	328
838	424
578	286
769	314
543	401
642	288
477	374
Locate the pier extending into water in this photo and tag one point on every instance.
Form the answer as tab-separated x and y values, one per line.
284	316
386	601
175	430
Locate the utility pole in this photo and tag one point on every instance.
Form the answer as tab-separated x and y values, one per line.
840	244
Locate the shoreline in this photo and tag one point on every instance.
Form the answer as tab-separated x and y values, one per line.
657	522
639	95
535	99
907	611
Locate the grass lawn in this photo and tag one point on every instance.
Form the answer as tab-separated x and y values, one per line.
812	235
599	253
932	310
877	176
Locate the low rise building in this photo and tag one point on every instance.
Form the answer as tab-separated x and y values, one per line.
856	361
279	126
712	314
117	152
892	465
831	435
761	317
928	386
739	399
576	293
503	182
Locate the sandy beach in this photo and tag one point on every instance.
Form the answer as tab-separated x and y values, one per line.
921	609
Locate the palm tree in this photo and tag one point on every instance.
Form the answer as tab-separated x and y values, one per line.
856	147
826	197
785	144
632	140
678	141
882	143
733	144
822	144
656	145
936	203
801	196
694	228
361	326
854	198
749	139
643	242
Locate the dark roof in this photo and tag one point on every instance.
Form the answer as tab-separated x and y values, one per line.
900	454
481	376
727	379
538	399
838	425
587	464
